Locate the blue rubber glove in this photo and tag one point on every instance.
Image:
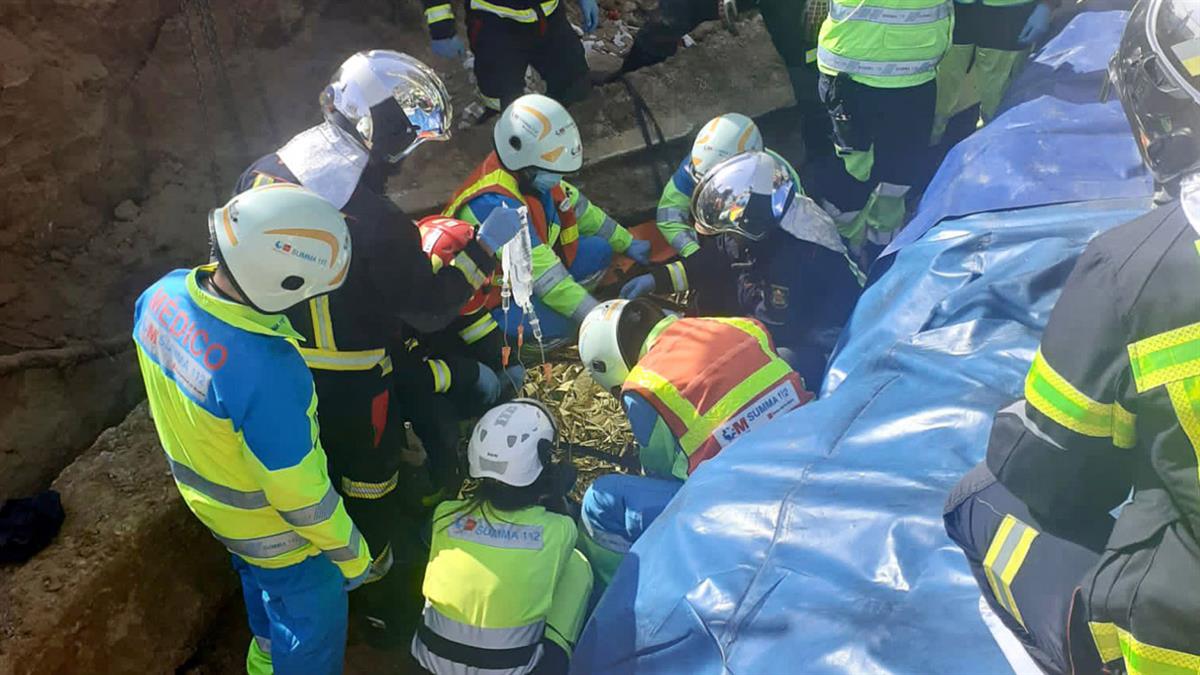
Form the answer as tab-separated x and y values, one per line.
501	225
1036	26
639	250
638	286
591	14
449	48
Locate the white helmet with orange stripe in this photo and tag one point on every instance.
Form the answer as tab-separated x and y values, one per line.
612	336
723	137
280	245
536	132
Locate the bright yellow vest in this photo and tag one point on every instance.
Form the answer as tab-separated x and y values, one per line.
885	43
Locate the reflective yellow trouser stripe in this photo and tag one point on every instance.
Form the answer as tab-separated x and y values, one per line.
1053	396
1146	659
439	13
1004	558
1108	643
1165	357
700	427
522	15
441	375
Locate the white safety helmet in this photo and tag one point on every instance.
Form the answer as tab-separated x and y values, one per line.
536	132
512	443
723	137
281	245
612	337
367	79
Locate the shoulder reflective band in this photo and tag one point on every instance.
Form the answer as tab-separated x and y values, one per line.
439	13
522	15
358	489
875	68
1146	659
679	280
1052	395
1185	399
264	548
1108	644
1004	558
317	513
349	551
889	15
479	329
238	499
441	375
1165	357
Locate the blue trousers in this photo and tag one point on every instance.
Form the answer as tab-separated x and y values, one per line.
297	615
616	510
592	259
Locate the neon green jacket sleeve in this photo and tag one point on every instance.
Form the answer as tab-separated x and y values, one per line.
594	222
674	219
296	482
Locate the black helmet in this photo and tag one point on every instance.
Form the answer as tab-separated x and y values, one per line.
1156	73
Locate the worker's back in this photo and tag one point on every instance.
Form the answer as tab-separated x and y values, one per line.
491	579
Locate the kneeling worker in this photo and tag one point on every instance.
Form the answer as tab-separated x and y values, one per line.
536	142
505	589
1110	415
690	388
235	410
776	252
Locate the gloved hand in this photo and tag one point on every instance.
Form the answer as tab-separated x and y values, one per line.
638	286
449	48
1036	26
639	250
501	225
591	14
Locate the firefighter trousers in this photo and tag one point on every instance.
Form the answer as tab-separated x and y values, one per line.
1029	574
504	49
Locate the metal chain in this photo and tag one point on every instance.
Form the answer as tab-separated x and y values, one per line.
202	94
242	40
224	88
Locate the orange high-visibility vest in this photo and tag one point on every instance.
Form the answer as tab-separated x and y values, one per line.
712	380
491	177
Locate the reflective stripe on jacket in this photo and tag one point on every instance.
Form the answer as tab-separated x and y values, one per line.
885	43
235	411
713	380
489	585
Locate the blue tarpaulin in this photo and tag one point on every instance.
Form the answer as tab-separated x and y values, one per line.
815	545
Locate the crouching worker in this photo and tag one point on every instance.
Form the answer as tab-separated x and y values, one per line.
505	589
690	388
776	251
234	407
573	240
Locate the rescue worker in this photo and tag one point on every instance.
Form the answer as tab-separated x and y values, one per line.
878	60
991	39
536	142
505	589
509	36
235	411
1110	407
379	107
689	387
774	251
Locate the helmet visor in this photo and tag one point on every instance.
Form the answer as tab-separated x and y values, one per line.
745	195
421	95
